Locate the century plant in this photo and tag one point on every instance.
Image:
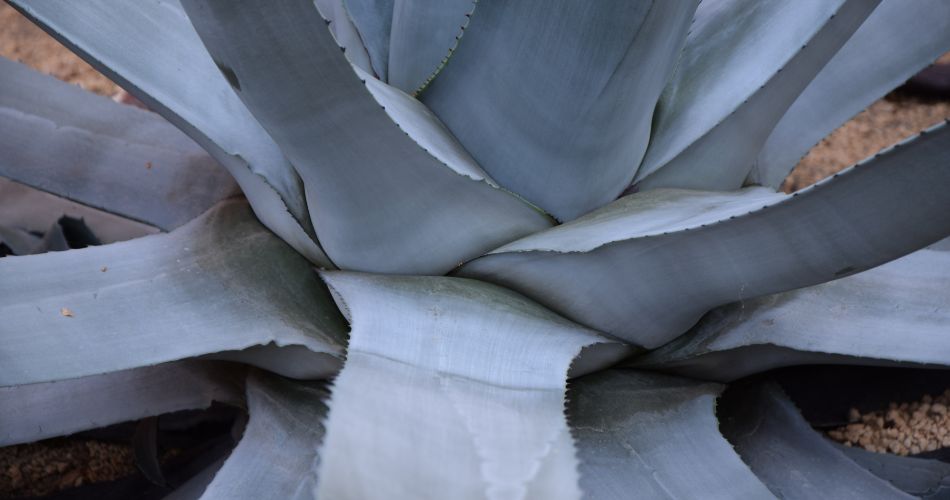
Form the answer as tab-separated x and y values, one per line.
452	209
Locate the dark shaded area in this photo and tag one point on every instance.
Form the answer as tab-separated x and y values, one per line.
176	446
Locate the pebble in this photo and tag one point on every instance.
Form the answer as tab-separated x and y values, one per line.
901	429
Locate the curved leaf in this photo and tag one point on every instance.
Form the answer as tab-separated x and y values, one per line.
895	313
488	367
38	411
923	478
867	67
151	50
379	201
423	36
29	209
650	282
277	456
344	31
116	158
654	435
223	282
374	19
745	63
790	457
544	120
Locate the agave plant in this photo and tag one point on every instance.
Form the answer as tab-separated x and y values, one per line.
530	241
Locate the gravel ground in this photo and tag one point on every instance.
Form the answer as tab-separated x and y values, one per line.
903	429
43	467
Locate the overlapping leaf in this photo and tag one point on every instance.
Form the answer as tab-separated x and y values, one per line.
653	436
745	63
869	65
895	313
648	266
37	411
94	151
220	283
151	49
452	388
790	457
379	201
552	109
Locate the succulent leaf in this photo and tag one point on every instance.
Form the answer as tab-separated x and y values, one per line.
220	283
116	158
924	478
423	36
373	20
151	49
490	368
277	456
345	32
790	457
552	109
745	63
893	315
379	202
654	435
63	407
648	284
868	66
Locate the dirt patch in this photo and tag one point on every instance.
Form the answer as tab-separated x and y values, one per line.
44	467
902	429
884	123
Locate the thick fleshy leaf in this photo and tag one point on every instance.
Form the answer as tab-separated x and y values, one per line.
28	209
379	201
867	67
120	159
373	20
452	388
895	313
555	110
151	49
277	457
790	457
745	63
38	411
924	478
648	266
653	436
345	32
222	282
423	36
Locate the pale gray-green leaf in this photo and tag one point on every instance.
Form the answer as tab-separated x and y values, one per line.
745	63
655	437
647	285
116	158
277	457
867	67
896	313
790	457
452	388
222	282
43	410
373	20
423	36
928	479
344	31
553	109
151	50
379	201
